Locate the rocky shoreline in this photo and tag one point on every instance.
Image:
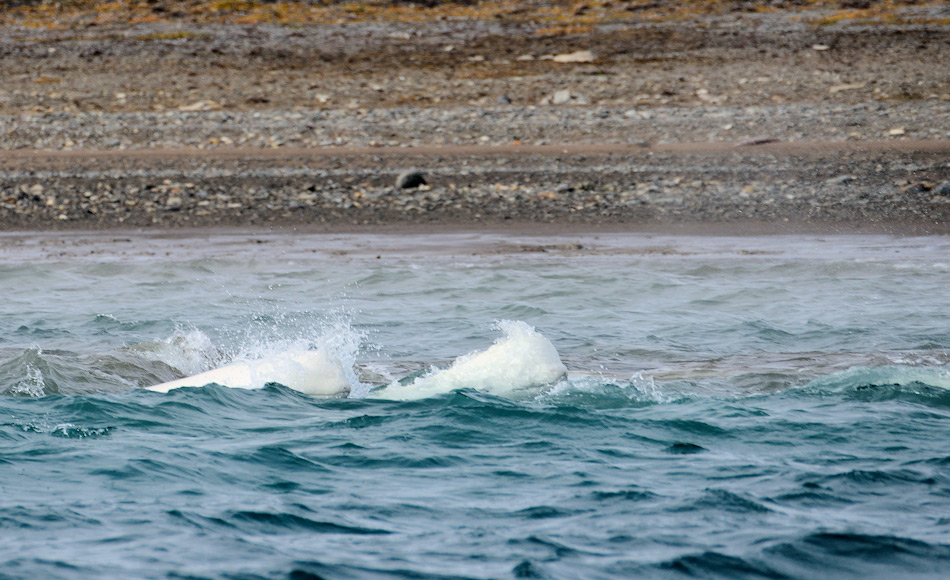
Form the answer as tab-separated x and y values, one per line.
891	187
487	125
734	118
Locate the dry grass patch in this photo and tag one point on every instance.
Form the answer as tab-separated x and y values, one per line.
552	18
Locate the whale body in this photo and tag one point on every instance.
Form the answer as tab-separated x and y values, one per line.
519	363
314	372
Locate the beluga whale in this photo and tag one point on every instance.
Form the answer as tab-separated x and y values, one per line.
313	372
518	364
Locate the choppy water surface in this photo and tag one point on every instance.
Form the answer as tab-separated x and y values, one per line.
759	407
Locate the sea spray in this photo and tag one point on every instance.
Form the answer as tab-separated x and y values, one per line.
314	356
31	385
596	390
342	341
189	351
519	362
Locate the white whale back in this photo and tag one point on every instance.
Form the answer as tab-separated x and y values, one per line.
519	362
314	372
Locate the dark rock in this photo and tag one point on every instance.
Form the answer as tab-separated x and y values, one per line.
756	141
919	187
410	179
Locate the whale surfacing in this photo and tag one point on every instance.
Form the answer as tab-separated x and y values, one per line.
313	372
520	362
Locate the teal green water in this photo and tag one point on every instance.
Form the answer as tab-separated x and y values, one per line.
762	407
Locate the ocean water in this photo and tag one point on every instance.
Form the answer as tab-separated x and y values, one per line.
611	406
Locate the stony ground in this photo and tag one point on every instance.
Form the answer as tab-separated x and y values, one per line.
826	115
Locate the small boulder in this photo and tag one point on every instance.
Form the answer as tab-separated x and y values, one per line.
918	187
410	179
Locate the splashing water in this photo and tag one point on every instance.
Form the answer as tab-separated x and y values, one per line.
188	351
32	385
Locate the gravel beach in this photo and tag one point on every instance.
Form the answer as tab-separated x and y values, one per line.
734	117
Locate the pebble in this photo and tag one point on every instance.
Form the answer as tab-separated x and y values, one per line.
756	141
206	105
840	180
564	97
561	97
572	57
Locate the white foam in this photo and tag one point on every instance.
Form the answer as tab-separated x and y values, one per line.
32	385
521	361
314	372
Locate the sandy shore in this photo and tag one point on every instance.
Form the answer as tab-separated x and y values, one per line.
412	244
783	117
